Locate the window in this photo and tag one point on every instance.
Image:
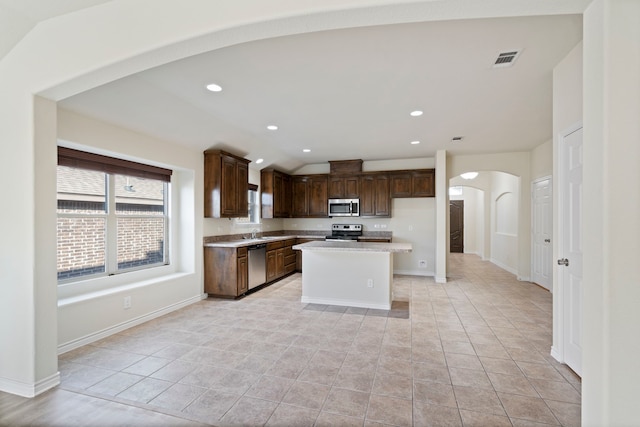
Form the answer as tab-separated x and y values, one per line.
254	207
111	219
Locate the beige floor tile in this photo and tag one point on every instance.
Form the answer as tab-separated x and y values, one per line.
425	414
466	361
479	419
431	372
556	390
263	344
145	390
470	378
540	371
500	366
248	411
392	385
306	395
270	388
394	366
567	413
115	384
346	402
390	411
287	415
354	380
527	408
177	397
515	384
478	400
327	419
434	393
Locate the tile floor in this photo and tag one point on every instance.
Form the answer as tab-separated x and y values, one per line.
472	352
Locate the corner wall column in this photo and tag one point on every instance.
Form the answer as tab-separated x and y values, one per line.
442	216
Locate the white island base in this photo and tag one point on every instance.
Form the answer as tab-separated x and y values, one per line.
349	274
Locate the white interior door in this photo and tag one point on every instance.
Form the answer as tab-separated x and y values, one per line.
542	229
570	249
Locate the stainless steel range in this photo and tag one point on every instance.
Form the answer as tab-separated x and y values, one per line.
345	232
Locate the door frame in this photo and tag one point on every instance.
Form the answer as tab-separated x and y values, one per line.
559	208
533	183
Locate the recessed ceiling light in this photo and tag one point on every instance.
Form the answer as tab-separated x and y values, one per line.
259	161
214	87
306	150
416	113
272	127
415	142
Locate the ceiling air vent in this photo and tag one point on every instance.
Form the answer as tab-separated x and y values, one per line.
506	59
456	139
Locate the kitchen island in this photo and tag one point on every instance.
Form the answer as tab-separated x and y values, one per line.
354	274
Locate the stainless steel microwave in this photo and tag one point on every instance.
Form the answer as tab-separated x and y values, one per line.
344	207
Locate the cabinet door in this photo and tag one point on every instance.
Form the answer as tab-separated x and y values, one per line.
229	191
383	199
367	196
336	187
318	200
280	262
243	275
423	183
401	185
352	187
272	269
282	195
300	196
242	189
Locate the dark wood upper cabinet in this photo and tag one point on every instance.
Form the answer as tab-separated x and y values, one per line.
375	197
309	195
226	185
275	196
413	183
344	186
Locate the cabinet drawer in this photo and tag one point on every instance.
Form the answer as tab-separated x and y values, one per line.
289	268
275	245
289	259
290	242
242	252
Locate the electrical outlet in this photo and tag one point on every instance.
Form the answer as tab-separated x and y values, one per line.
422	263
369	283
126	303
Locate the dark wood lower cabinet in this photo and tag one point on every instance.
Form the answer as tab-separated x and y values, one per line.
226	272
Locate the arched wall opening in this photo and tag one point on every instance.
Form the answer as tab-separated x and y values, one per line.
491	216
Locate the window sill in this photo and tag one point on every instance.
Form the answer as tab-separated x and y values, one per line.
76	292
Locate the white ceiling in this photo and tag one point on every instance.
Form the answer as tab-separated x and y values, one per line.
18	17
347	94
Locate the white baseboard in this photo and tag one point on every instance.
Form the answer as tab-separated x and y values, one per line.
504	267
29	389
88	339
340	302
556	354
442	279
420	272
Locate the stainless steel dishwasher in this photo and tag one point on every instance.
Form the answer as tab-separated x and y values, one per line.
257	265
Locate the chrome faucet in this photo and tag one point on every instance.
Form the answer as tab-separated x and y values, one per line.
253	233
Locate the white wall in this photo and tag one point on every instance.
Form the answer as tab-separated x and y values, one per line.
611	342
542	160
91	309
504	221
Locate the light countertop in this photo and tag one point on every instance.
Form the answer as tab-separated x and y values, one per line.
332	245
